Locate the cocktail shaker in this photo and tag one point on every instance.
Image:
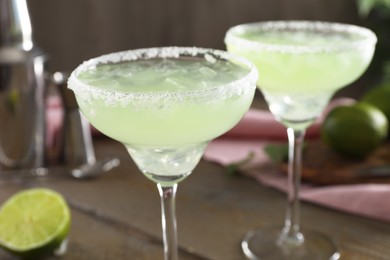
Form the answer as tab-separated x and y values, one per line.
76	144
22	90
23	82
15	25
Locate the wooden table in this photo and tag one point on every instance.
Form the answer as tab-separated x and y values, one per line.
117	216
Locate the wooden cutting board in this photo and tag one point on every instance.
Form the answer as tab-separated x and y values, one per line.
322	166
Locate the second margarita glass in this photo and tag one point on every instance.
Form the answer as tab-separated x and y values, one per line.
301	65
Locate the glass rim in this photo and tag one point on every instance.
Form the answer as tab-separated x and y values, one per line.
233	36
242	83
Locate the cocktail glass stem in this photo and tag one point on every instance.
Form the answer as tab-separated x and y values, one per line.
168	201
291	234
290	243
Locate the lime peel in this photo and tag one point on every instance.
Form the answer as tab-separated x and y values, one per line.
380	98
355	130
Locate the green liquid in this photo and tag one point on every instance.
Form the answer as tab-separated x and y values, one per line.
304	72
164	102
298	81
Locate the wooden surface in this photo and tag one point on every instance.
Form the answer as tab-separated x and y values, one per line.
323	166
117	216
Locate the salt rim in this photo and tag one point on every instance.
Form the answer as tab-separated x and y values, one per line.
233	36
115	97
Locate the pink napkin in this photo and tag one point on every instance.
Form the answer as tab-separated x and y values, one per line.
254	131
259	128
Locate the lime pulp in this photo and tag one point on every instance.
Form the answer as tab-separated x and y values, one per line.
34	222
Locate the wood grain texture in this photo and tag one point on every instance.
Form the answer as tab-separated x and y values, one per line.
117	216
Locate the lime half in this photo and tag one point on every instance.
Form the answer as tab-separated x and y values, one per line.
34	222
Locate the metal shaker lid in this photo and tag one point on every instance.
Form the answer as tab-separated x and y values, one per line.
15	25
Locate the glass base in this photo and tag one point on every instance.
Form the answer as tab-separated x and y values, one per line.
265	244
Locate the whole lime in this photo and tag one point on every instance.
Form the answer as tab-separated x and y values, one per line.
380	98
356	130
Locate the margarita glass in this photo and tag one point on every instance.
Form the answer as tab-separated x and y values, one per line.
301	65
165	105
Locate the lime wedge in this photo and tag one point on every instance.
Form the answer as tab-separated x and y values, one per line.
34	222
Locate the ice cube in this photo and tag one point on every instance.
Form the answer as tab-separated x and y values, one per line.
171	82
207	72
165	65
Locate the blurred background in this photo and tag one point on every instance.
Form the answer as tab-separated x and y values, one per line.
72	31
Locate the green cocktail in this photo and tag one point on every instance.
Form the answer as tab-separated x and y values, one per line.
165	105
301	65
301	68
160	93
